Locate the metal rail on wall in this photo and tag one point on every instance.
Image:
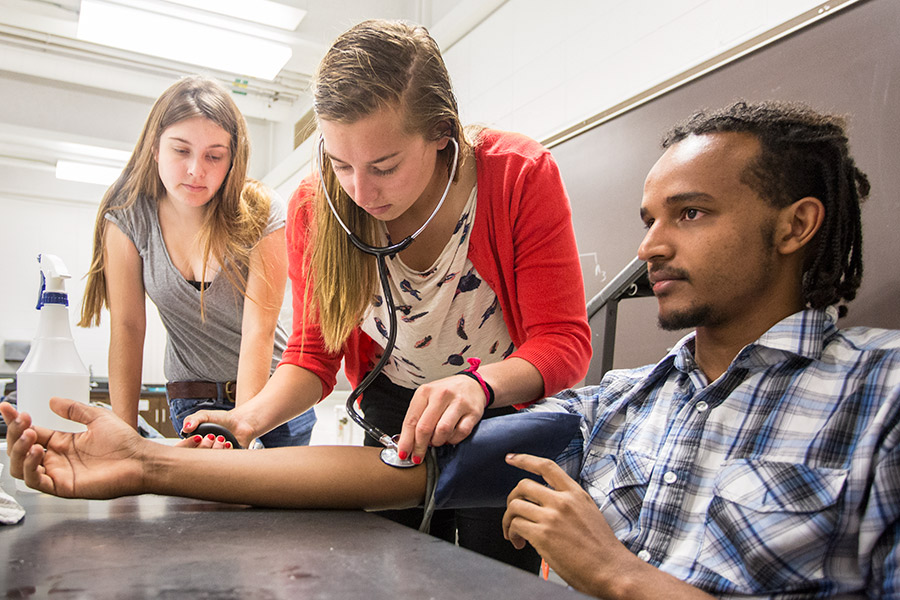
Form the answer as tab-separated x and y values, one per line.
630	282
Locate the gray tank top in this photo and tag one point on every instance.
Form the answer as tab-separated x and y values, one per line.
196	350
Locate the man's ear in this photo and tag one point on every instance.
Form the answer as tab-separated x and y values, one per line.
799	223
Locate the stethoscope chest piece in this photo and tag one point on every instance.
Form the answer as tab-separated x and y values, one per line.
390	457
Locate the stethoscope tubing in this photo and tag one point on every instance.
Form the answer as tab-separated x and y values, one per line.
381	254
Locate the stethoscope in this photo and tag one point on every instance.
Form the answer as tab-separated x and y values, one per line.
390	454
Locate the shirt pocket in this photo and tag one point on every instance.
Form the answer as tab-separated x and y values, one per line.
618	484
769	524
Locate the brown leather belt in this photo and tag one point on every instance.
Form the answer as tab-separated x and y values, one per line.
201	389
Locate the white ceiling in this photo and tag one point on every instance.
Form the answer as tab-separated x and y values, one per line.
64	98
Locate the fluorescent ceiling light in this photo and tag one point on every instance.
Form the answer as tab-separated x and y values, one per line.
86	173
167	37
263	12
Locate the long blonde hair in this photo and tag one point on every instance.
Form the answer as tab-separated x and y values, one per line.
374	65
234	221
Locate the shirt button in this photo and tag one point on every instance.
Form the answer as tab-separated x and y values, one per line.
644	555
670	477
701	406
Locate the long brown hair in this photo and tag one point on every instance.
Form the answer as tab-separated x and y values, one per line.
234	221
375	64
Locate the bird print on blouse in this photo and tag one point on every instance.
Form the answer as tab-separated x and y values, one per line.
448	277
468	282
457	359
445	314
412	318
407	287
461	328
490	310
463	221
381	328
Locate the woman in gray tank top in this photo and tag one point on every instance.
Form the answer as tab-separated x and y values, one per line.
184	226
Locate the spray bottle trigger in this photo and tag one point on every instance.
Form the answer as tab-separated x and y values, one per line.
40	302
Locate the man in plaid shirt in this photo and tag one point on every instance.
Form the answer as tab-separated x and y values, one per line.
759	458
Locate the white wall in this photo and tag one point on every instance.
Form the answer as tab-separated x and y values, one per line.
538	67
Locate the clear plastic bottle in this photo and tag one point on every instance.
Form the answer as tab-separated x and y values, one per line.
52	367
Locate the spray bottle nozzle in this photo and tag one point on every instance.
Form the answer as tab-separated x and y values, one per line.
53	276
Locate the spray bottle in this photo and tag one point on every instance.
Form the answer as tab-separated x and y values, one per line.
52	367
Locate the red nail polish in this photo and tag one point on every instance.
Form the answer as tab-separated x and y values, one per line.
417	460
210	437
220	439
402	455
228	445
198	439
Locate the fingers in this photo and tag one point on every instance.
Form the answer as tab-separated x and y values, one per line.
463	429
8	411
74	410
515	539
13	428
209	441
217	442
408	431
218	417
191	422
34	475
515	523
434	428
523	511
552	473
440	412
20	439
192	441
437	427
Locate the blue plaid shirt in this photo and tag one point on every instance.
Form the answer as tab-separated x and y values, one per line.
781	479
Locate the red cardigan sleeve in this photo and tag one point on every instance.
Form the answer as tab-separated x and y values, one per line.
524	246
305	347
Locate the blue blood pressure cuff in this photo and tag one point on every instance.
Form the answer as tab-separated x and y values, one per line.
474	472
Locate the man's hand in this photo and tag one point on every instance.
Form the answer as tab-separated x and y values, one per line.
567	529
103	462
561	522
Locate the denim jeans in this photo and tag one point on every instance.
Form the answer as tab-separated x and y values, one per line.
296	432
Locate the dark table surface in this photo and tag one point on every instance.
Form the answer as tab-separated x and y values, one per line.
160	547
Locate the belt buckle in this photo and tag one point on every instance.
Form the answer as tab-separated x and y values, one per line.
229	390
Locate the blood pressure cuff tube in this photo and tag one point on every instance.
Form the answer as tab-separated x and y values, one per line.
474	472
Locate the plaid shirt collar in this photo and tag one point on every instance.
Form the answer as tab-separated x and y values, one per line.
804	333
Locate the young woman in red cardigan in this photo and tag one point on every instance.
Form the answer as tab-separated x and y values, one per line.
495	275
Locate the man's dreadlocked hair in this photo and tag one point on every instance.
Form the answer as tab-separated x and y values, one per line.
803	153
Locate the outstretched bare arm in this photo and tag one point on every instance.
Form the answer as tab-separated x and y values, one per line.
110	460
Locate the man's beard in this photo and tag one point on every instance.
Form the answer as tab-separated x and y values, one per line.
697	316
